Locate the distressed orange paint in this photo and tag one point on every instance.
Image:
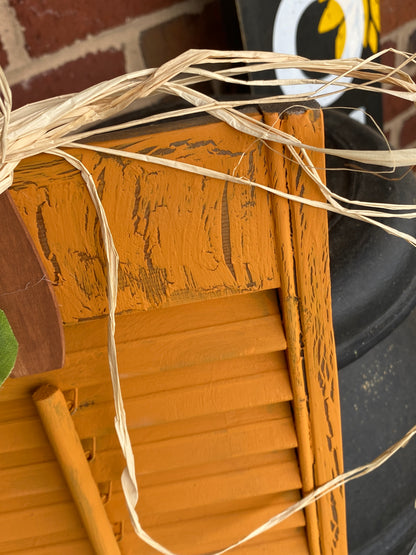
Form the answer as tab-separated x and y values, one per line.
214	379
302	240
172	230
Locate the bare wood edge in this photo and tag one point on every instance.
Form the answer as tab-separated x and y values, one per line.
302	236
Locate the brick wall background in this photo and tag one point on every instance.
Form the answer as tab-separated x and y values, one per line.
398	30
52	47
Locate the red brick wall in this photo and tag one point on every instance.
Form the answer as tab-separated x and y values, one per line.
398	30
53	47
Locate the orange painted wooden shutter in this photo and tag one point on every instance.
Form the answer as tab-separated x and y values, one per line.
225	349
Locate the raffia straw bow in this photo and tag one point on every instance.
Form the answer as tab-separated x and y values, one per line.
57	123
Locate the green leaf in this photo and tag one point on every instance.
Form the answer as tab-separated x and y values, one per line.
8	348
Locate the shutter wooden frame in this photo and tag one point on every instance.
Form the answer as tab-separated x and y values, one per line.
295	260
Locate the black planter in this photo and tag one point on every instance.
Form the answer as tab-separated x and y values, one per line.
373	274
378	407
374	292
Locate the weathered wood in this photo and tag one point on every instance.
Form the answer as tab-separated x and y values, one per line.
292	324
206	385
27	298
302	241
172	231
65	441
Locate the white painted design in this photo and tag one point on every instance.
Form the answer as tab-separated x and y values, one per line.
285	31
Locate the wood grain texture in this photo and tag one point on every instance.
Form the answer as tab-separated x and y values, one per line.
172	230
302	243
27	297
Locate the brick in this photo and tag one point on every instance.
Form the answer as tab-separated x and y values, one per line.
51	24
393	106
4	60
411	44
71	77
204	30
389	59
408	131
395	13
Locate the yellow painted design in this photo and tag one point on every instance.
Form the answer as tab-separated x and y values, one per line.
366	19
375	13
333	17
372	37
340	40
371	24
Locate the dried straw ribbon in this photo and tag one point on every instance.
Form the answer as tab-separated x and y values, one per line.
54	124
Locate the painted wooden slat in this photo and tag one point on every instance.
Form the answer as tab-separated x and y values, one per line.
80	547
215	343
203	424
196	544
277	542
237	520
189	376
56	518
231	506
218	488
221	396
41	527
95	387
182	452
46	478
295	545
35	481
249	512
211	446
15	453
255	336
235	394
190	316
172	351
131	545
